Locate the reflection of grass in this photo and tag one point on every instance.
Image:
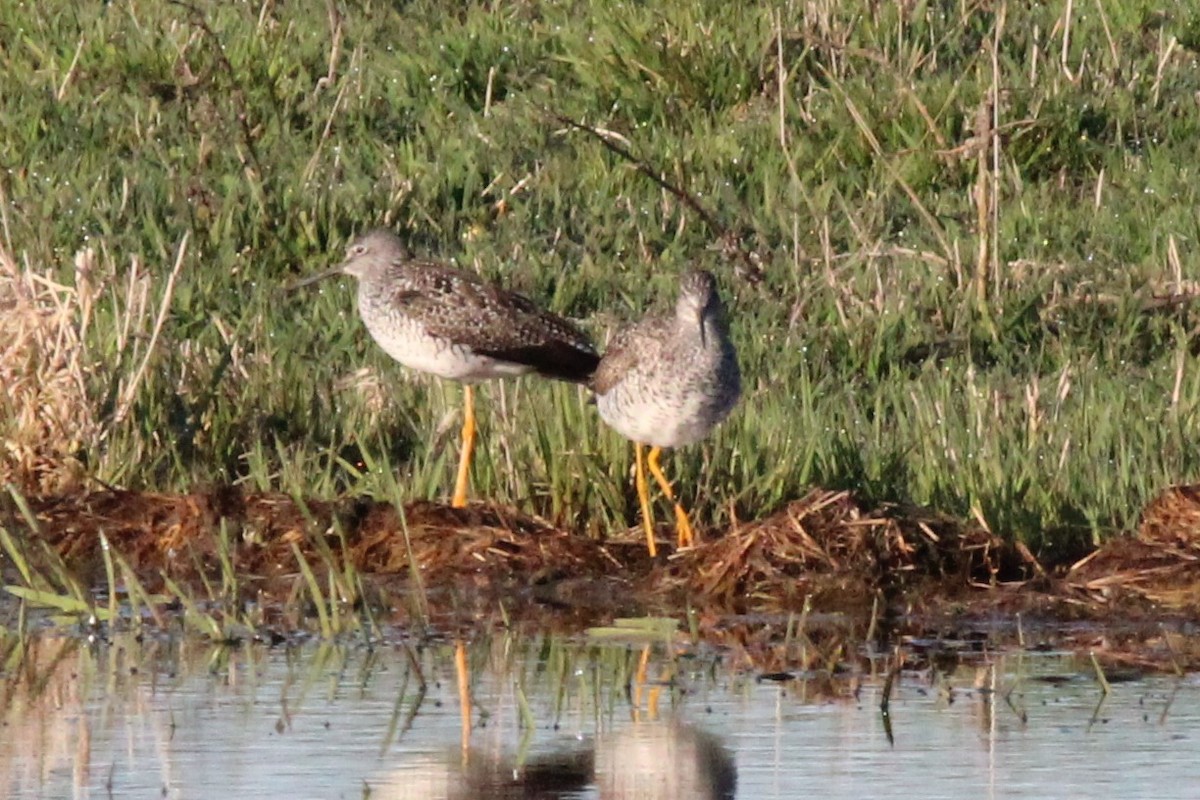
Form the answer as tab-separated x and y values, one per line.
939	323
156	700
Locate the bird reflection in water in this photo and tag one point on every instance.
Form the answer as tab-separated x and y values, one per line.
647	759
656	759
664	761
485	776
642	761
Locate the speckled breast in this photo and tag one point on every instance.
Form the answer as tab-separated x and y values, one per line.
662	415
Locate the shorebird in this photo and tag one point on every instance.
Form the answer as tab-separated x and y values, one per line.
434	318
667	381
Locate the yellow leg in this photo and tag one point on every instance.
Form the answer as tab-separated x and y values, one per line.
639	683
468	448
464	692
652	702
643	491
683	529
639	680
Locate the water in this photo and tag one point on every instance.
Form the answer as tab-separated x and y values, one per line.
614	721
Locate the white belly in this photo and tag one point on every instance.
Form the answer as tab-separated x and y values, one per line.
660	424
417	350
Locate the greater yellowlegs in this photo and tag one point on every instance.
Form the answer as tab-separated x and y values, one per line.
437	319
668	381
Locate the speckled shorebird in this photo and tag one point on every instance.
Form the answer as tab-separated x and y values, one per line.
668	381
453	324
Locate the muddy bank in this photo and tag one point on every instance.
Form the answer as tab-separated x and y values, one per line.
825	550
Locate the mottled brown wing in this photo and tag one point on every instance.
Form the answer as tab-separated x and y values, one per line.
493	322
430	290
626	350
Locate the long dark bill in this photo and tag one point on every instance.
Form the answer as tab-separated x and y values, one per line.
311	279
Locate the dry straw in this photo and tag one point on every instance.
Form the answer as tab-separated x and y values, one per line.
45	415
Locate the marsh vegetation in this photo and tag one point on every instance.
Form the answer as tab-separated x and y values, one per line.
974	227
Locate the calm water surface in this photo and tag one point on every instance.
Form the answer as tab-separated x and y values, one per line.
568	719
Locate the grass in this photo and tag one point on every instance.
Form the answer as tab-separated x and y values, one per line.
965	213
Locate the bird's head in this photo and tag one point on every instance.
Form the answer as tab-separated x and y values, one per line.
698	299
369	254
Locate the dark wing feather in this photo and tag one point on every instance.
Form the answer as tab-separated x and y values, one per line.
462	307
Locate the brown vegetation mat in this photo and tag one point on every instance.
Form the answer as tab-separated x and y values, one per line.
827	549
180	536
1161	565
824	549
